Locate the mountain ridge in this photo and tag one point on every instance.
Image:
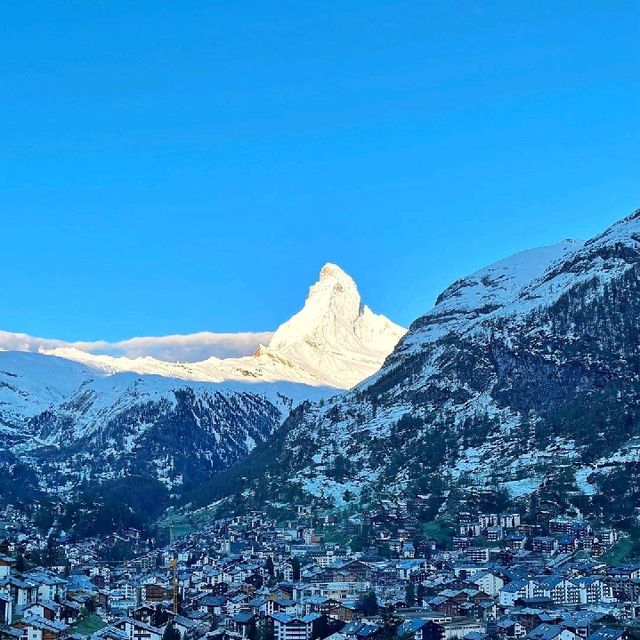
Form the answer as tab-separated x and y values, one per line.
334	341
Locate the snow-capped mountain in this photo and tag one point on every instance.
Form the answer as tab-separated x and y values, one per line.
71	419
333	341
334	335
524	375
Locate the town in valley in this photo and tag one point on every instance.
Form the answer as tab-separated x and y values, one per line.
379	574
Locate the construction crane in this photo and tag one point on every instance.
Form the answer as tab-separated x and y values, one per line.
173	564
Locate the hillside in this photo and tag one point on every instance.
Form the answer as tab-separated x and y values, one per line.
522	381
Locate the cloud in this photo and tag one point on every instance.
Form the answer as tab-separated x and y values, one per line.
193	347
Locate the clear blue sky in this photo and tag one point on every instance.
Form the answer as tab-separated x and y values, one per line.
181	166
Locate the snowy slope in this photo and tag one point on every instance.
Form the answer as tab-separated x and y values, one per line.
492	291
333	341
31	382
83	425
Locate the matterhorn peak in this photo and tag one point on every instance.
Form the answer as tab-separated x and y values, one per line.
334	299
332	271
336	331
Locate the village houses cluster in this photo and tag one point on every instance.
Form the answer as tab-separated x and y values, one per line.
253	578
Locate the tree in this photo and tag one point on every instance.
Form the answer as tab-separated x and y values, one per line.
390	622
410	594
265	631
160	616
420	593
295	566
269	567
320	628
252	630
368	603
21	564
171	633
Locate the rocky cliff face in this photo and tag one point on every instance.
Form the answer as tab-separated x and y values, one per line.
523	377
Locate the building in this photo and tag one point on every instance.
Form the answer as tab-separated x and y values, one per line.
290	627
137	630
456	628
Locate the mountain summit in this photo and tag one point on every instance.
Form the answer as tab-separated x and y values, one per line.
333	341
334	333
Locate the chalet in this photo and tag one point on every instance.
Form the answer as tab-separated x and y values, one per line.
288	627
509	520
593	589
155	592
412	628
9	633
495	534
530	618
477	554
46	609
609	633
567	544
344	611
550	632
355	568
487	520
488	582
515	541
509	628
470	530
70	610
50	586
461	542
244	624
281	605
560	525
258	606
110	633
211	604
137	630
580	622
186	626
144	613
512	592
608	536
319	604
456	628
361	631
544	544
37	628
560	590
21	591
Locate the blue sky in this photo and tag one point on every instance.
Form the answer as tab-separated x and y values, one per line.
182	166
